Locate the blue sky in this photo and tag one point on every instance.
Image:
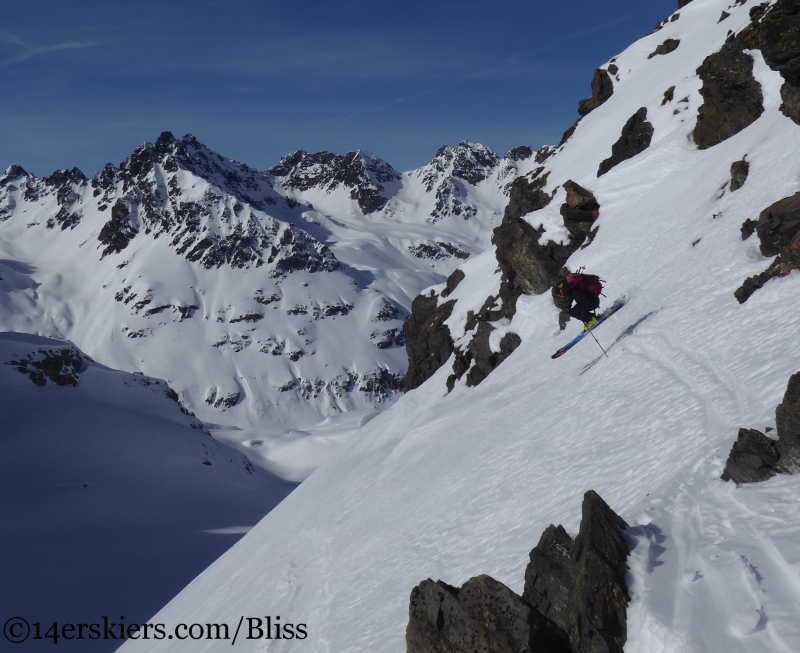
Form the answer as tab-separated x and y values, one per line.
86	81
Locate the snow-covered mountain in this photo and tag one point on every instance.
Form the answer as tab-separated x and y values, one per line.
679	182
270	301
112	498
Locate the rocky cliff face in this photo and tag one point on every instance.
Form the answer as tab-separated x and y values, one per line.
575	598
361	174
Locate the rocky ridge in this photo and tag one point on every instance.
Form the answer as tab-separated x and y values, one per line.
575	598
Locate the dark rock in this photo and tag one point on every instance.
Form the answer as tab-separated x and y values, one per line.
777	35
544	153
670	45
388	339
787	416
118	232
428	341
438	251
527	266
732	98
739	172
599	596
520	153
751	284
579	211
13	173
61	366
549	576
575	598
452	282
481	616
683	3
779	224
478	360
778	229
723	16
602	90
613	68
635	139
568	134
752	458
669	95
748	228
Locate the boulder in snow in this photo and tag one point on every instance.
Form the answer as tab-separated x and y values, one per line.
635	139
752	458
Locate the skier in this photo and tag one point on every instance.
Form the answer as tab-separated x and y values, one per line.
584	290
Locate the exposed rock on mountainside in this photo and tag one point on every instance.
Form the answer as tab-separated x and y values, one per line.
61	366
467	162
755	457
527	267
428	341
776	34
635	139
481	615
479	358
778	229
787	417
739	172
752	458
363	174
118	231
602	89
575	598
670	45
732	98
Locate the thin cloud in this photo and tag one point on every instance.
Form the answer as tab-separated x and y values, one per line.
27	52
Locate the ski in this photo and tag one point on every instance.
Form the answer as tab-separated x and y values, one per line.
602	318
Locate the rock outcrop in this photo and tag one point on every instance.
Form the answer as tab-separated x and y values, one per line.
670	45
752	458
428	340
602	89
787	418
479	358
62	366
481	615
732	98
575	598
635	139
362	174
755	457
739	172
776	32
778	229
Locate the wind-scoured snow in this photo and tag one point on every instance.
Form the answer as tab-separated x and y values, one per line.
450	486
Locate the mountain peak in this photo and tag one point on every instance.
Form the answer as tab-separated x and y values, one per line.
360	172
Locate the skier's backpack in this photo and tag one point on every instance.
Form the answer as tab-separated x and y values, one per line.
590	283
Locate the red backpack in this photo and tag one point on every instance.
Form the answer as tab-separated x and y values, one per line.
590	283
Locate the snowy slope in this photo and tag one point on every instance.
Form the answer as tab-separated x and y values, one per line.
269	316
111	498
452	485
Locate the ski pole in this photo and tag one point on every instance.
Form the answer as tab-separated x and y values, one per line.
598	344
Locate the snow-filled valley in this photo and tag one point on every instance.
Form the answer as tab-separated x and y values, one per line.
461	474
266	312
